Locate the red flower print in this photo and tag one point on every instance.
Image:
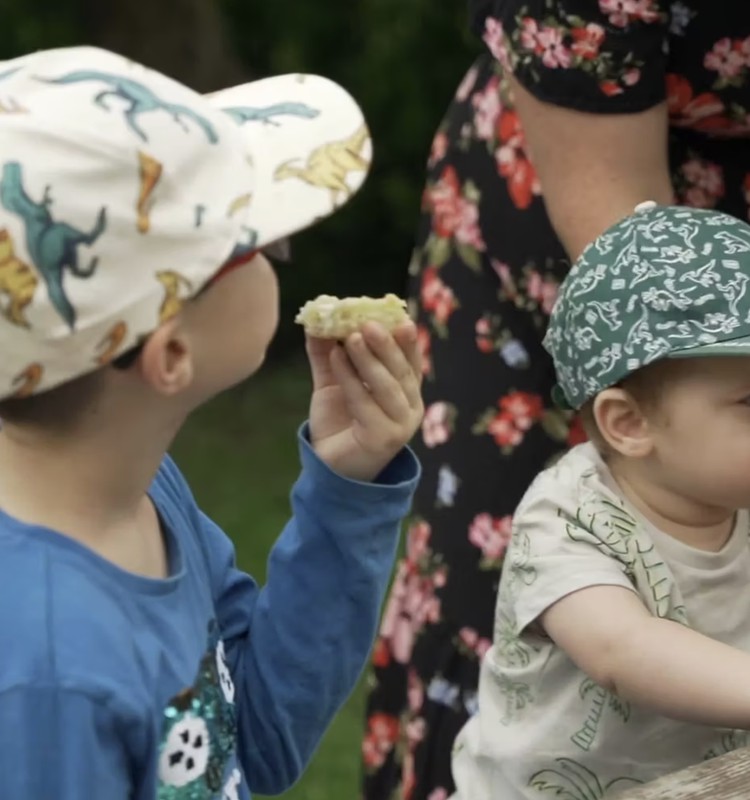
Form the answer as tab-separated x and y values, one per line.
382	735
454	215
491	535
725	59
437	298
587	41
524	408
485	340
424	343
610	88
381	656
504	432
512	161
704	112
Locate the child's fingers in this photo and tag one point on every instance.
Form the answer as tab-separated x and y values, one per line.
319	355
358	399
396	359
384	387
406	337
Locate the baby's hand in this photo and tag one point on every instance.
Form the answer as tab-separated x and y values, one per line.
367	401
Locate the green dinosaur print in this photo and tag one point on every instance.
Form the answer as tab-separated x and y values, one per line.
517	696
52	246
569	780
243	114
517	562
609	527
508	644
599	700
140	98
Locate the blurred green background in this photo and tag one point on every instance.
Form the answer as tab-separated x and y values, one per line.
402	60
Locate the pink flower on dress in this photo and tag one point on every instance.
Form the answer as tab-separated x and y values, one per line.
439	148
530	36
542	291
452	213
486	110
554	52
622	12
706	183
494	38
727	61
436	424
417	541
631	76
411	606
483	645
438	794
467	84
491	535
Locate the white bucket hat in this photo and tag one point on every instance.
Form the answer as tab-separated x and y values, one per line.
123	192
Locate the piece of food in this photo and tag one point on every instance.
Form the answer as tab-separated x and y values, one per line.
329	317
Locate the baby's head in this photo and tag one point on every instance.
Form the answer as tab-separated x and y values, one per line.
651	342
133	215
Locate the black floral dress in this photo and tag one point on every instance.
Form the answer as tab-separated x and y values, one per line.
483	280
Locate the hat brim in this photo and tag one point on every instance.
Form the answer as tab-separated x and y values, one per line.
308	146
732	347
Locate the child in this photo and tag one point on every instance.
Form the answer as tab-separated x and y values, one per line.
622	629
139	662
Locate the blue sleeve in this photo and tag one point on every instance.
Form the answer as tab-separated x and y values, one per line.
297	647
61	744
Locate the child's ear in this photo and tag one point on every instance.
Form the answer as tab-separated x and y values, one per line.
622	423
166	360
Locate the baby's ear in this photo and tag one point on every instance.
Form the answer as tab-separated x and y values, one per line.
166	360
622	423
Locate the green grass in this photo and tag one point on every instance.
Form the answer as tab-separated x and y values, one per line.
240	455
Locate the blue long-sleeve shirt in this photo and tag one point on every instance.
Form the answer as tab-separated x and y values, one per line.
202	685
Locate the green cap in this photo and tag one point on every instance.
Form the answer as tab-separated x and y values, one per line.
666	282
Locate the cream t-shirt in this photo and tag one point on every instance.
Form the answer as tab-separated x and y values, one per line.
544	728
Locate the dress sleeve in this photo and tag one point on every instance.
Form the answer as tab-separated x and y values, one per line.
599	56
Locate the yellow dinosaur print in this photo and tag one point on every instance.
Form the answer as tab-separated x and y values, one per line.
149	173
172	303
243	201
27	380
329	165
17	282
110	344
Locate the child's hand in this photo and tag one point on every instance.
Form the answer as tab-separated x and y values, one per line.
367	401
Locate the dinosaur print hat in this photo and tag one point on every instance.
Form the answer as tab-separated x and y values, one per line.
123	192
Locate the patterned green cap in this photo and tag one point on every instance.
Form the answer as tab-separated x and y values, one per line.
666	282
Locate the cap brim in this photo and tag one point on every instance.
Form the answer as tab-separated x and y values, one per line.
732	347
308	146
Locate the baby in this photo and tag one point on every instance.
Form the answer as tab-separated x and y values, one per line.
622	630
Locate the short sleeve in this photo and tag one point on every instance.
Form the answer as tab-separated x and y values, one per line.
600	56
554	552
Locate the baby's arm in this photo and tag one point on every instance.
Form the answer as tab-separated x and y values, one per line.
652	662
